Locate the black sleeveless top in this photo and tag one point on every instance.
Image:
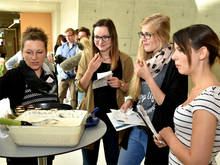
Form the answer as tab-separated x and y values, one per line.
105	97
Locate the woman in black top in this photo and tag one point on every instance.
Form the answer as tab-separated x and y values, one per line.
104	93
31	82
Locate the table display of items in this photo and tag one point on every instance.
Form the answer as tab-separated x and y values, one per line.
49	128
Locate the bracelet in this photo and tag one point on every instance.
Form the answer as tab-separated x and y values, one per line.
128	98
122	84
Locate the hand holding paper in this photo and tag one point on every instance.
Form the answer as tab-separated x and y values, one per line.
147	121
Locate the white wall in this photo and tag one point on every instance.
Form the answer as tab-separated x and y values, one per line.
69	14
126	14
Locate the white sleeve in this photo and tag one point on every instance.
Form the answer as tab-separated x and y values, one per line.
11	62
58	52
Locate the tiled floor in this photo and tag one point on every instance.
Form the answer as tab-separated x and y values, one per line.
75	158
72	158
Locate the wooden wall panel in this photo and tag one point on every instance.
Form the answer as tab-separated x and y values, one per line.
38	19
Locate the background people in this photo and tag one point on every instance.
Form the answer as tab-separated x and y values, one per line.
106	93
67	50
31	82
73	61
197	126
14	60
157	86
61	39
83	32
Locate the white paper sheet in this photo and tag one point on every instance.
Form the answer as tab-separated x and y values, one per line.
118	125
147	120
104	74
130	117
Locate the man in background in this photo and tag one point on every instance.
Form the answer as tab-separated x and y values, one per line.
67	50
83	32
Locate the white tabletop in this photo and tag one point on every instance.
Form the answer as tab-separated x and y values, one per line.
9	149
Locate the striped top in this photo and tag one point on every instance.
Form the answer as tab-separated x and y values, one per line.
208	100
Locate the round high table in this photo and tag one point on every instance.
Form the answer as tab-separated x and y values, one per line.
10	149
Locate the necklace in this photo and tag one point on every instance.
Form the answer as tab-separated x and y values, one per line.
106	58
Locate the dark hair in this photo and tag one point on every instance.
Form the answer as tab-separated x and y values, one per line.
84	29
76	31
34	33
60	38
196	36
114	39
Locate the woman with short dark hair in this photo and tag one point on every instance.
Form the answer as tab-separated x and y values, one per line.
31	82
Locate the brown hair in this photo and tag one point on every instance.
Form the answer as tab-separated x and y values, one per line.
70	29
196	36
60	38
114	39
84	29
34	33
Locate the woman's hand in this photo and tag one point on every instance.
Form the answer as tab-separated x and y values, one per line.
165	135
141	69
126	105
113	82
95	63
159	141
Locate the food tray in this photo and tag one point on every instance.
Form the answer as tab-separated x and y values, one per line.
66	132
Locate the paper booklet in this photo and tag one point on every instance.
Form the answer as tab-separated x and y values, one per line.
121	120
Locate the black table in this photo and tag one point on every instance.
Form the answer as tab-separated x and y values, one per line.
9	149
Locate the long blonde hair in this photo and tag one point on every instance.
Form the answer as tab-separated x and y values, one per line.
160	24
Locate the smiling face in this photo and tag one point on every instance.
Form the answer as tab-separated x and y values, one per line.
102	39
34	53
152	43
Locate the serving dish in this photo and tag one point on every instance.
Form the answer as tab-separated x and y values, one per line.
65	129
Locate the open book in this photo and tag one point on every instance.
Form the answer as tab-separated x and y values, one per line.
121	120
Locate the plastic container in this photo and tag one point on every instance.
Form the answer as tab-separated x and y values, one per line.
67	131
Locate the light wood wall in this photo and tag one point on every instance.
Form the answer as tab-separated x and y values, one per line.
38	19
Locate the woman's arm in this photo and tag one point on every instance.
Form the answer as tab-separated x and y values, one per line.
142	71
128	70
203	134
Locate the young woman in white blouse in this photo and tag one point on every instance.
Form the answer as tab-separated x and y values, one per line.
197	127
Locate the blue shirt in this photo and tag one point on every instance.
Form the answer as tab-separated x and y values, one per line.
67	52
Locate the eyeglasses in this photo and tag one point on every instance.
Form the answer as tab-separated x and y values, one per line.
103	38
69	35
145	35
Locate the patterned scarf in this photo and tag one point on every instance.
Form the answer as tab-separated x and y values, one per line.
47	84
159	60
